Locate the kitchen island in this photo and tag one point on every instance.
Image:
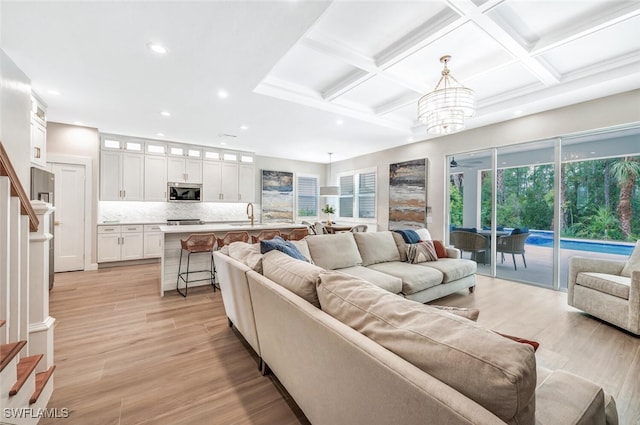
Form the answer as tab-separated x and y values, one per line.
171	247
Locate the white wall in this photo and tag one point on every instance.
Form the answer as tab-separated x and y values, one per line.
609	111
15	120
68	141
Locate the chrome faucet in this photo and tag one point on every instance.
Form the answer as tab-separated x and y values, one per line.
250	206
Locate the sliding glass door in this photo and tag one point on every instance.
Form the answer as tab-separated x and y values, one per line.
524	212
538	204
600	216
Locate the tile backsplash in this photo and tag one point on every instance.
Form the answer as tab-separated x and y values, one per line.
112	211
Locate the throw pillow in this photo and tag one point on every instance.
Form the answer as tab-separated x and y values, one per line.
247	254
423	234
633	263
468	313
534	344
421	252
283	246
440	249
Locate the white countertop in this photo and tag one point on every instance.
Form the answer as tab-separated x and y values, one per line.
229	227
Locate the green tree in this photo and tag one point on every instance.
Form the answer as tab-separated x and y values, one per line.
625	173
455	205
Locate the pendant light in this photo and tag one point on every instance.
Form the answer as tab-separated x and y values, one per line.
329	190
444	110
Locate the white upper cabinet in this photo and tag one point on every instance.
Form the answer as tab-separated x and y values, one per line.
246	182
155	178
229	181
121	170
38	133
211	181
184	170
184	164
132	169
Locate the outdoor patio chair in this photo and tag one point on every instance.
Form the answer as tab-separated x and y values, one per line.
512	244
470	242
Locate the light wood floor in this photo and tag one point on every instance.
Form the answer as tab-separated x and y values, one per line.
126	356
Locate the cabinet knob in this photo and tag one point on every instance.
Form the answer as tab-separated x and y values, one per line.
57	223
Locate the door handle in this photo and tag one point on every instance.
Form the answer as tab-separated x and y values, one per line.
57	223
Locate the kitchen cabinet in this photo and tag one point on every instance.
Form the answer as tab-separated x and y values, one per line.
118	243
153	241
38	133
246	183
220	181
184	170
155	178
121	176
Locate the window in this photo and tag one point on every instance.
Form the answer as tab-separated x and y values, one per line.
307	196
358	195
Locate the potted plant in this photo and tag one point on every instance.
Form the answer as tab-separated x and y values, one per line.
328	210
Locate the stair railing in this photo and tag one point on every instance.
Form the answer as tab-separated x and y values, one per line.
6	169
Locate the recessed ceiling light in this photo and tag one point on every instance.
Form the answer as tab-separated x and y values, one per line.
223	143
165	114
160	134
410	139
158	48
518	112
222	94
593	152
244	127
339	122
54	92
77	123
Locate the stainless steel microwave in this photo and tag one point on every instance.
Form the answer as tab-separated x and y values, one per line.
184	192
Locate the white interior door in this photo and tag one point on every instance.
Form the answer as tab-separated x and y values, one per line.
69	217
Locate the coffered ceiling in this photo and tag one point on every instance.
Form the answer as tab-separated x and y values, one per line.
309	77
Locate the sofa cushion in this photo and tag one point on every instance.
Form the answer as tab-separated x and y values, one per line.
385	281
633	263
303	248
467	313
452	268
496	372
247	254
297	276
587	404
334	251
421	252
401	245
611	284
376	247
415	278
281	245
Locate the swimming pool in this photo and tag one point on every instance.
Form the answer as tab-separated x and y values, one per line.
545	238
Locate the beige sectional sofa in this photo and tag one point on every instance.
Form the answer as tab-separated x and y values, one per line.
350	351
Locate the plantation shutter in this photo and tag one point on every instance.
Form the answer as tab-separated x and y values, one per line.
307	196
346	196
367	195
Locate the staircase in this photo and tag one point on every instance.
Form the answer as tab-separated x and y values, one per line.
26	329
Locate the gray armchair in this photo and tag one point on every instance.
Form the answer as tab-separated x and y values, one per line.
599	287
512	244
